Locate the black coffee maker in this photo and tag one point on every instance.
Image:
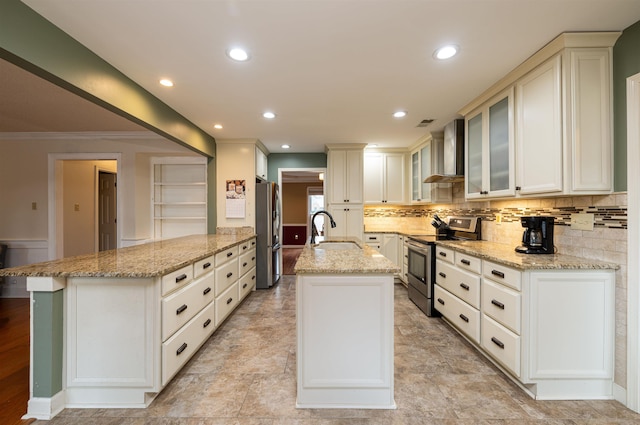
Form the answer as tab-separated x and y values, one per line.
538	235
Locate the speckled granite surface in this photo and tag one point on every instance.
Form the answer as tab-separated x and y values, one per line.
147	260
364	260
505	254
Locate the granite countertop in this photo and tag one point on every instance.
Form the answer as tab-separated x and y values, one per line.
366	260
505	254
141	261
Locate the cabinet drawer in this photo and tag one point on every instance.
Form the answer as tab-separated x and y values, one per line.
203	266
247	262
459	313
184	343
179	307
444	254
502	304
226	275
247	283
460	283
177	279
502	344
503	274
245	246
226	255
226	302
374	238
468	262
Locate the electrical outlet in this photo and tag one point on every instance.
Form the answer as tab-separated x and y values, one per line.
582	221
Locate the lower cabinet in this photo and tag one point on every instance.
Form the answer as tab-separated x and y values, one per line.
551	331
128	337
387	244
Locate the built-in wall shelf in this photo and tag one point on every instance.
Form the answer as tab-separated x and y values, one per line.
179	199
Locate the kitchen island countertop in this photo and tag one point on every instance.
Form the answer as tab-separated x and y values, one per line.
366	260
506	255
140	261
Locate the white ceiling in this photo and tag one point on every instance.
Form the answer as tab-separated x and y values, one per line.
332	70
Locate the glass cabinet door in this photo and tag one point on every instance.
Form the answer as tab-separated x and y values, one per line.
415	176
425	171
474	155
499	146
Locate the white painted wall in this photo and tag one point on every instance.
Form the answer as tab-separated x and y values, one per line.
235	160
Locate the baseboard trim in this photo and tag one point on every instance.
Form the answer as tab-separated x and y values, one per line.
45	408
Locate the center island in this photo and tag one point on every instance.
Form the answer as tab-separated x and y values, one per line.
344	311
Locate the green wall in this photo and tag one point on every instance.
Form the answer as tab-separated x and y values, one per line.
626	62
294	160
33	43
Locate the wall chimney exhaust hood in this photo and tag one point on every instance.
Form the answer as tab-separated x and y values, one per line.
453	153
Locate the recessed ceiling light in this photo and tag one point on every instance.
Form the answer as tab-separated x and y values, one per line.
238	54
446	52
166	82
269	115
285	146
400	114
218	126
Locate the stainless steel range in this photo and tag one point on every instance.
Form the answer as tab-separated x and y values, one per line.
422	261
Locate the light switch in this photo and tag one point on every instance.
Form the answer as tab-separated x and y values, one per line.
76	207
34	205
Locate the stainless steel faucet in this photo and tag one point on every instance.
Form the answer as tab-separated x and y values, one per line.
314	230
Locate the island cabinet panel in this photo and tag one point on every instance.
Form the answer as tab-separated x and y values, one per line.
111	342
345	341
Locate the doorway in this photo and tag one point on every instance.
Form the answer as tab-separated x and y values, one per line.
83	206
296	187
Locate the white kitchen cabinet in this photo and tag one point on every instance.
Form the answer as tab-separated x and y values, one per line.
349	220
384	178
387	244
261	164
345	176
179	196
426	160
552	331
489	149
404	259
539	130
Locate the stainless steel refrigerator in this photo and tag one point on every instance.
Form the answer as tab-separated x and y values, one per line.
268	230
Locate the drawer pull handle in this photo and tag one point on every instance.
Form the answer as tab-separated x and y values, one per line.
180	309
498	304
207	323
181	278
244	264
443	275
229	275
441	301
244	286
466	262
497	342
253	277
206	291
181	349
465	318
442	254
229	301
497	273
229	254
253	242
244	247
253	258
206	265
464	286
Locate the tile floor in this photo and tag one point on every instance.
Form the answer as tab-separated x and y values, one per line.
245	375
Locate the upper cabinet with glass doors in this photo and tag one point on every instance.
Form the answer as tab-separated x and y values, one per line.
490	149
426	160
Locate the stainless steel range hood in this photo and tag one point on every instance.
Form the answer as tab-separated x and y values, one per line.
453	155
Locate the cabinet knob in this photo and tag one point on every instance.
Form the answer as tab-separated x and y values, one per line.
518	188
484	192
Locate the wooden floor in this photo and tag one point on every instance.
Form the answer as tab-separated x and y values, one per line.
289	258
14	360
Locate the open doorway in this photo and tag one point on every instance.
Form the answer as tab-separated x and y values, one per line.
297	187
83	206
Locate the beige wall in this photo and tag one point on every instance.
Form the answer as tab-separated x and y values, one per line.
294	202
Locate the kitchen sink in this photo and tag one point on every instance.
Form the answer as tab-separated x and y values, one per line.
337	245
